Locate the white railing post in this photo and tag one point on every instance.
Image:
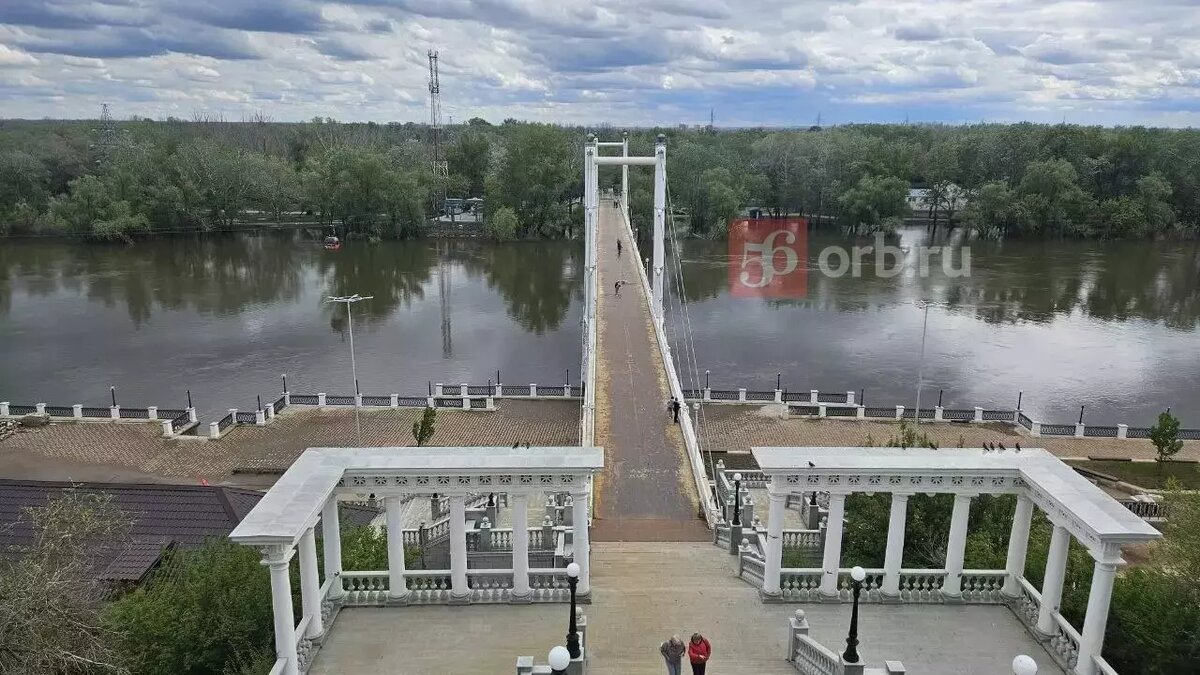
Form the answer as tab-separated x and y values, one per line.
192	415
832	558
115	412
357	400
260	417
39	408
429	402
270	410
1035	428
152	412
1052	584
331	542
520	561
437	389
76	411
861	413
820	410
3	408
1079	430
491	404
707	394
310	584
776	501
813	395
167	429
899	412
779	396
894	555
533	390
978	414
849	398
499	390
281	607
937	413
956	547
214	431
321	398
397	588
1122	431
459	592
1018	545
742	394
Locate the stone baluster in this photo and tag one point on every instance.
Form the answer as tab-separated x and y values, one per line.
277	559
774	553
485	535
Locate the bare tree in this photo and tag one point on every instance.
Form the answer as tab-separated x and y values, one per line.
51	601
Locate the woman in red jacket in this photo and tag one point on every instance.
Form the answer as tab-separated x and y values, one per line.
699	652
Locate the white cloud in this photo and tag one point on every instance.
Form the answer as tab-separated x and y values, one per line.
10	56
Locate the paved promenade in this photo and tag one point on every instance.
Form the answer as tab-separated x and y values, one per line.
645	492
741	427
642	593
137	452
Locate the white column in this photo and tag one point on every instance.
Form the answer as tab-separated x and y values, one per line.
625	176
458	549
956	546
1018	544
660	215
310	585
397	588
520	525
580	543
1092	638
833	546
281	607
1056	568
894	557
331	539
777	500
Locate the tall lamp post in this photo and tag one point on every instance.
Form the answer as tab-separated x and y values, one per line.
857	574
559	659
350	300
921	363
573	626
737	499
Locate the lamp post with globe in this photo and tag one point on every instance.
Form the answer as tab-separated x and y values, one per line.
559	658
1024	665
573	627
857	575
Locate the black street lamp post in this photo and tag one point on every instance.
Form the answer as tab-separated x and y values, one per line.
573	627
737	499
857	574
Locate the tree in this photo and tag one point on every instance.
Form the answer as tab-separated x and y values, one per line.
872	200
1165	436
995	210
51	602
502	225
423	428
469	158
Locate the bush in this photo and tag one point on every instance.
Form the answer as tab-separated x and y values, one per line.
503	224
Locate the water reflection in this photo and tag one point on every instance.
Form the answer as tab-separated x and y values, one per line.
1107	325
225	316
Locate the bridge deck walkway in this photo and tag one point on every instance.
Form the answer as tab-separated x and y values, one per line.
645	492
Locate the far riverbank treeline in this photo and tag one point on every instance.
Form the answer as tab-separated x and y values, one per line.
133	178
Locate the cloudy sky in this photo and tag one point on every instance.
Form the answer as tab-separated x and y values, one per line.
617	61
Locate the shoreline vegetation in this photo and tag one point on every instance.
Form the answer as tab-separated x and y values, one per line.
120	181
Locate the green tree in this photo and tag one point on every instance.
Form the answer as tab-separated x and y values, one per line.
470	157
872	200
422	429
91	210
537	177
1052	199
1165	436
502	225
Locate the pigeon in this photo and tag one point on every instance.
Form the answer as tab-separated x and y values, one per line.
516	445
811	465
1018	447
1002	446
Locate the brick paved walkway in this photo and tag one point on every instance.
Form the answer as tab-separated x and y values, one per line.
739	427
136	452
645	492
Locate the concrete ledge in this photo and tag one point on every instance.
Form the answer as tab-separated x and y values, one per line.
401	601
460	599
770	598
525	599
889	599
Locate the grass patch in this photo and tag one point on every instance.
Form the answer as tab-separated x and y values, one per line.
1147	474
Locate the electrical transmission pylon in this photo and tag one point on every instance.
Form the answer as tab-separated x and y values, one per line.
440	170
106	136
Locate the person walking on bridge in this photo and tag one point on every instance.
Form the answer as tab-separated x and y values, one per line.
672	652
699	652
618	248
673	408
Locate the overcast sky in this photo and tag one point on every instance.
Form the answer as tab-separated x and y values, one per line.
624	62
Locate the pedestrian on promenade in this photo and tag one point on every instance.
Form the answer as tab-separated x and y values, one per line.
674	407
672	652
617	289
618	248
699	652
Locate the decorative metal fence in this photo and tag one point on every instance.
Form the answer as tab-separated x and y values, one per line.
412	401
831	397
479	390
841	411
452	390
246	418
24	409
958	415
760	396
998	416
279	404
804	410
225	422
339	400
723	395
180	421
135	413
1100	432
96	412
1058	429
796	396
304	399
377	400
1135	432
60	411
1024	421
879	412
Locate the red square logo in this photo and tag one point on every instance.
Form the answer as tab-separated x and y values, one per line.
768	258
